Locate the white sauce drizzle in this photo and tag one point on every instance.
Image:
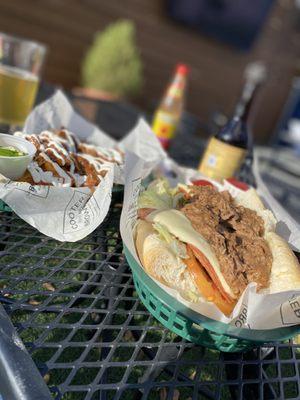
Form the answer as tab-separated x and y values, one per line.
109	154
98	165
38	175
61	173
50	143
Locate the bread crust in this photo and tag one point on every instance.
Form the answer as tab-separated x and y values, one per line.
250	199
159	261
285	273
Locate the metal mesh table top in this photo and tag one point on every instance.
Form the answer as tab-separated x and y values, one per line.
76	310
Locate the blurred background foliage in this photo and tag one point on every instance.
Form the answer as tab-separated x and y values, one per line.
113	64
68	28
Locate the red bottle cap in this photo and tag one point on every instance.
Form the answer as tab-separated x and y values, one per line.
182	69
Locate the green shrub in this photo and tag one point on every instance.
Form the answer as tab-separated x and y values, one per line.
113	63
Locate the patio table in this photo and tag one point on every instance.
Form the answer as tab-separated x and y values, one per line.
76	310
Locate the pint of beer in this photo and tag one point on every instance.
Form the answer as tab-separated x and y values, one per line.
17	94
20	65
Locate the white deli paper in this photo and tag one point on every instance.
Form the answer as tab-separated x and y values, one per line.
253	310
70	214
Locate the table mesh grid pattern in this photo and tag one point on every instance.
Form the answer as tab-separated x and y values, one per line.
76	310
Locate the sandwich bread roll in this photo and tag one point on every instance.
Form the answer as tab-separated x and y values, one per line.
161	263
200	271
285	273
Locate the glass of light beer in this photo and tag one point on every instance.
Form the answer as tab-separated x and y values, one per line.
21	62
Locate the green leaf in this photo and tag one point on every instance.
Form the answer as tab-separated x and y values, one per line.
158	195
177	248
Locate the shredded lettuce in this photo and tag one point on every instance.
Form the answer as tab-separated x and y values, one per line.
158	195
177	248
163	232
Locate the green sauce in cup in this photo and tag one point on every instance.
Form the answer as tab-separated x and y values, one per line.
10	151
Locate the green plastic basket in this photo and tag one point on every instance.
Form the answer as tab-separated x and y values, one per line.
4	207
195	327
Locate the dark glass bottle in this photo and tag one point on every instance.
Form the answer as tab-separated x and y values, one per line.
245	110
234	133
232	146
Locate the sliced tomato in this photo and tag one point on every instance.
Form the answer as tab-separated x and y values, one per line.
144	212
240	185
202	182
211	272
205	285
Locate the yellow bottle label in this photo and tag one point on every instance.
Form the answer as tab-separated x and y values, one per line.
164	125
175	91
221	160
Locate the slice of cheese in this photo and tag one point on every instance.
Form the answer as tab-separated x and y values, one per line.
180	226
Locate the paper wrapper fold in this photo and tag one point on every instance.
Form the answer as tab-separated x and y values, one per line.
70	214
253	311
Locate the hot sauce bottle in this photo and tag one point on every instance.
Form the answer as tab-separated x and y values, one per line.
227	150
169	112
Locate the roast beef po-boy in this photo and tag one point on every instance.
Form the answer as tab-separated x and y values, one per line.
209	245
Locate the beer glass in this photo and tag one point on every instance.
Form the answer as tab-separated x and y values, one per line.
21	61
